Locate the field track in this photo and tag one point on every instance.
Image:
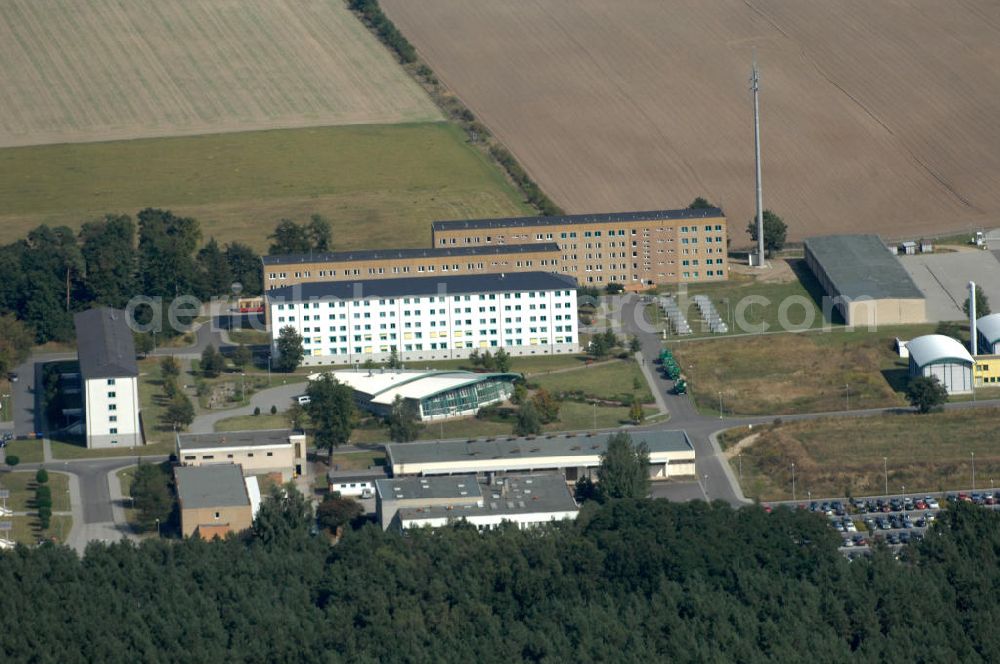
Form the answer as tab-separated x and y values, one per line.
877	116
97	70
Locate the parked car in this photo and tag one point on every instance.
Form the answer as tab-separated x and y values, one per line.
303	399
932	503
12	376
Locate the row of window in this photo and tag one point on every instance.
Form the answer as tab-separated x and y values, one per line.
569	235
420	300
406	269
459	345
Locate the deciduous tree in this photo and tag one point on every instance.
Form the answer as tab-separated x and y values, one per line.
624	469
528	421
775	231
982	303
925	393
404	421
331	411
336	511
151	495
290	351
109	251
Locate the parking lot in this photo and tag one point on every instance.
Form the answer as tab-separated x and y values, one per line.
893	520
944	279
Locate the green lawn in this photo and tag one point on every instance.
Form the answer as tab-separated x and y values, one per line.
27	531
836	457
800	309
573	416
244	422
125	477
615	381
22	490
28	451
797	373
380	185
67	450
250	337
357	460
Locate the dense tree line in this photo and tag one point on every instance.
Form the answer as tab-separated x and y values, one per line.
385	29
54	272
631	580
371	14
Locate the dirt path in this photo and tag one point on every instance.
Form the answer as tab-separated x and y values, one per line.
744	443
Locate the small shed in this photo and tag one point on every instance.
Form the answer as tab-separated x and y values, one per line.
908	248
926	247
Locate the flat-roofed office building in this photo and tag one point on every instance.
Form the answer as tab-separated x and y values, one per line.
258	452
671	454
290	269
431	502
635	249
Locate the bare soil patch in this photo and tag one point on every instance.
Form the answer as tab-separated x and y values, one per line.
877	116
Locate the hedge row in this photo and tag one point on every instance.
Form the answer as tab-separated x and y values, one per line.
394	39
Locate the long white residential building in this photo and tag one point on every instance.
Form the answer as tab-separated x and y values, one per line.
428	318
109	378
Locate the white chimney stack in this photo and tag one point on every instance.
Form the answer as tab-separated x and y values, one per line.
973	330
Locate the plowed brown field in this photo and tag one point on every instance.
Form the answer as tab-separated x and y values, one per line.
94	70
877	115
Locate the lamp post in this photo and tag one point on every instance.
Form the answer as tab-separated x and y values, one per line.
847	395
885	469
740	456
157	527
793	482
705	487
595	416
243	387
973	471
720	405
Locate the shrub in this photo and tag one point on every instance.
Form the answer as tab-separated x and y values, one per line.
274	410
256	410
42	476
13	460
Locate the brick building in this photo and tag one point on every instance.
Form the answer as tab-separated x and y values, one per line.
635	249
291	269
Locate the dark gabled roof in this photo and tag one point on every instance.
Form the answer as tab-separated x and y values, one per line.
611	217
401	254
861	266
440	285
104	344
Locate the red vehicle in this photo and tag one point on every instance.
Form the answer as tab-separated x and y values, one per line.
250	305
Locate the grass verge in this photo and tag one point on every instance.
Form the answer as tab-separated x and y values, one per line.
28	451
616	381
798	373
844	456
22	490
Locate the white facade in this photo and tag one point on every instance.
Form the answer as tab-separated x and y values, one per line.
486	521
430	327
112	412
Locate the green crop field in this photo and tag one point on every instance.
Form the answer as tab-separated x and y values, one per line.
380	185
99	70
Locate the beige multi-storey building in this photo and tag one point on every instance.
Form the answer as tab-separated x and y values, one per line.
291	269
634	249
